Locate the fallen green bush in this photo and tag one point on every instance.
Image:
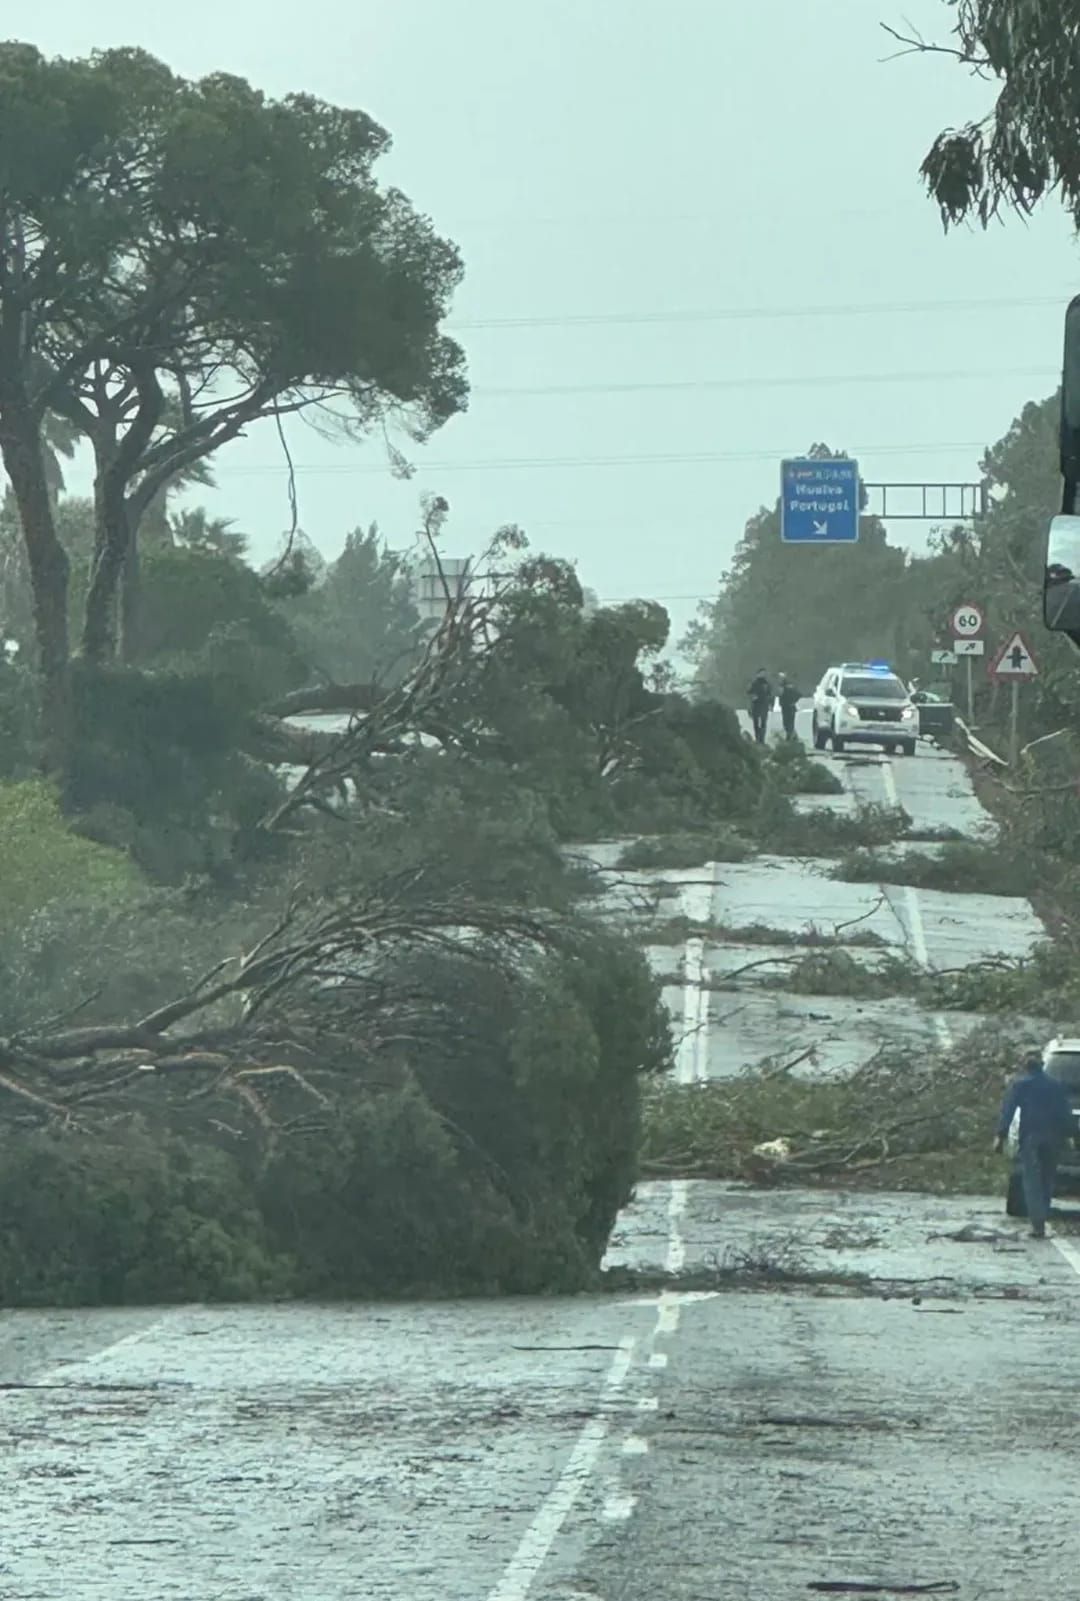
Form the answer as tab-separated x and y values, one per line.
491	1156
685	850
797	773
909	1119
959	868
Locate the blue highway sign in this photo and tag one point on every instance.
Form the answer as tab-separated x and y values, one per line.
819	501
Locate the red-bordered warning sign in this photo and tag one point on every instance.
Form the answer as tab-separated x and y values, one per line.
1014	662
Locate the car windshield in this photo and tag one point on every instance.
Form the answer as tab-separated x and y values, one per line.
1065	1067
872	688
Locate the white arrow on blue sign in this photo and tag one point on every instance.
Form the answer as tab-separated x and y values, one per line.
819	501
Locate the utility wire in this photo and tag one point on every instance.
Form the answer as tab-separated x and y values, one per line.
937	447
1045	374
773	313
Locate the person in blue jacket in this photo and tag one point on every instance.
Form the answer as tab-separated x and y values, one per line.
1046	1122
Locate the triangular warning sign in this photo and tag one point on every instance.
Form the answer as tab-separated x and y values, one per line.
1014	660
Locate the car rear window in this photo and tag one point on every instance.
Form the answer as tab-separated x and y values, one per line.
1065	1067
868	688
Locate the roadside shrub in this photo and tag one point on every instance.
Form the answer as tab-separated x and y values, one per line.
42	861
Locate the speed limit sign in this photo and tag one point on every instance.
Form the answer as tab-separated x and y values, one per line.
967	621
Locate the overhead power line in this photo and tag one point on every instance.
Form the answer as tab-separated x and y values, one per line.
511	463
771	313
1045	374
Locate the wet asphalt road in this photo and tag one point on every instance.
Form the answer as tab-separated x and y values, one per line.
895	1405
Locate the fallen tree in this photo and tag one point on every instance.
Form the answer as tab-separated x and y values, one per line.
905	1119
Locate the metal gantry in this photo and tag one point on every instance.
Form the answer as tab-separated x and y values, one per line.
926	503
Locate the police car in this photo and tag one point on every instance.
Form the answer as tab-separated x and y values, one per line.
864	703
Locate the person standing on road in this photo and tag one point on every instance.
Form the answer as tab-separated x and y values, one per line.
761	699
1046	1122
788	700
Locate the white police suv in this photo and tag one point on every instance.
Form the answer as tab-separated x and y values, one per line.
864	703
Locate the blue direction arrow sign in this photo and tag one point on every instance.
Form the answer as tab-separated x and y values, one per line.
819	501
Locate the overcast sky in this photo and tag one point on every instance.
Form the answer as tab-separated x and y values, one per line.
695	241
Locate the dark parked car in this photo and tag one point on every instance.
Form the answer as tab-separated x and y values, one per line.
1062	1057
937	714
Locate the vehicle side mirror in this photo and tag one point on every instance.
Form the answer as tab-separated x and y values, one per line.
919	697
1061	580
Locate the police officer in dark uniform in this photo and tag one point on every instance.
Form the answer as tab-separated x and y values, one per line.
788	699
761	698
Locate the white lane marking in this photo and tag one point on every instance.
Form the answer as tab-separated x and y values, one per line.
524	1566
1068	1251
691	1067
914	916
65	1369
676	1247
540	1536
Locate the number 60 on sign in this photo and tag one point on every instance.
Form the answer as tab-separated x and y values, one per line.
967	621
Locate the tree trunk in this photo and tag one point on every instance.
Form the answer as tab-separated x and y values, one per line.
24	462
117	521
129	600
110	548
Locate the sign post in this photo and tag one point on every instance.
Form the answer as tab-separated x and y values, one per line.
967	623
819	501
1015	665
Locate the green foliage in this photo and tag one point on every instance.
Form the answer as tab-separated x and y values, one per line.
360	622
202	608
501	1162
154	766
237	258
856	1130
959	867
796	773
838	972
42	861
686	850
18	722
1026	147
574	704
127	1219
495	1161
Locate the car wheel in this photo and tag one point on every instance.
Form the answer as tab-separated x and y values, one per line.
908	747
1015	1205
821	739
837	745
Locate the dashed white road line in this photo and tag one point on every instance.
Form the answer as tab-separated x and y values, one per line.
691	1068
915	923
524	1566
